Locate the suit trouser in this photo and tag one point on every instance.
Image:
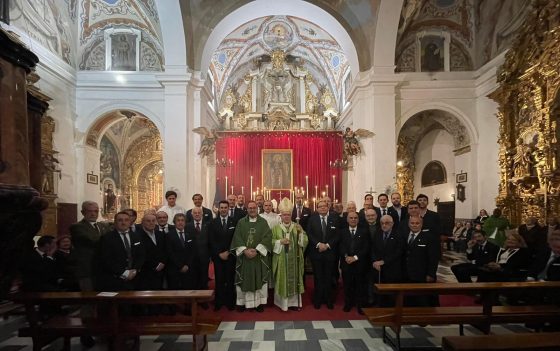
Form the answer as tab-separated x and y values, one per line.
224	272
322	281
464	271
355	284
200	274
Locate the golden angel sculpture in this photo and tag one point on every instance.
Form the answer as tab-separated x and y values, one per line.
351	143
208	145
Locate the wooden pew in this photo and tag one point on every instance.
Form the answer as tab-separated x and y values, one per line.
481	316
518	342
110	320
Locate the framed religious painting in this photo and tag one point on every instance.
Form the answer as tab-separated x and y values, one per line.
92	178
277	169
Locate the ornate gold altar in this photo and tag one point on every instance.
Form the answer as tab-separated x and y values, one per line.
529	110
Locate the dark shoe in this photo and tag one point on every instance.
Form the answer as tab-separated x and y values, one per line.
360	311
317	306
293	308
330	306
87	341
347	308
260	308
240	308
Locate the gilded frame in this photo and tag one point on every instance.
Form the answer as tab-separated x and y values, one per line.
277	169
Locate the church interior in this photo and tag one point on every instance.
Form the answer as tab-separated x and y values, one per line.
124	102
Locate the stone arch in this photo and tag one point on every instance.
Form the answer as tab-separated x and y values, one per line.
415	127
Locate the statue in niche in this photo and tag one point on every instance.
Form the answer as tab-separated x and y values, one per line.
123	53
110	199
49	168
278	85
522	159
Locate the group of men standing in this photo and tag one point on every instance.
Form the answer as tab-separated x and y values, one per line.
254	249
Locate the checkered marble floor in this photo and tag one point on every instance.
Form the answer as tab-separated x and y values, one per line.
351	335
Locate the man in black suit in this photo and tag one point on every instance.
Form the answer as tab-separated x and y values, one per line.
480	252
386	256
233	211
354	252
350	207
300	213
133	216
373	227
259	199
122	255
162	225
413	210
39	269
180	256
150	276
430	218
323	244
534	236
421	259
546	267
197	230
220	233
241	204
206	212
397	210
368	203
383	209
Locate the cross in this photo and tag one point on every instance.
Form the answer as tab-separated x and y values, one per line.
371	192
280	195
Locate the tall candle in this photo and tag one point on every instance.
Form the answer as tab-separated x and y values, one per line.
327	186
251	187
232	189
226	186
242	190
315	191
307	186
334	186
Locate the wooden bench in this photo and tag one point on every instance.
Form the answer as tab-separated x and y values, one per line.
480	316
110	321
519	342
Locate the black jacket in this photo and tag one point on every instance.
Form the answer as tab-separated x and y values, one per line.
201	242
539	264
206	215
148	277
357	245
390	251
220	239
421	256
304	218
315	235
481	257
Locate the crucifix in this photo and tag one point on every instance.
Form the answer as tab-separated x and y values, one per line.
371	192
280	195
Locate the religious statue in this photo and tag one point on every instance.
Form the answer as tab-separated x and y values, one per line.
49	167
351	143
278	86
522	159
110	199
208	145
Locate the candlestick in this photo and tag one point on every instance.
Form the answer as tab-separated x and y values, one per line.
314	208
252	187
226	186
307	186
315	191
327	187
334	186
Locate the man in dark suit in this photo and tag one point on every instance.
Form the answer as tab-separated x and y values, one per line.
300	213
133	216
354	258
343	221
480	252
180	256
534	236
323	243
233	211
122	255
397	210
85	237
373	226
241	204
421	259
430	218
413	210
386	257
197	230
150	276
220	233
162	225
39	269
368	203
259	199
206	212
546	267
383	209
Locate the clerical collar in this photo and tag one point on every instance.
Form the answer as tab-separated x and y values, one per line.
251	219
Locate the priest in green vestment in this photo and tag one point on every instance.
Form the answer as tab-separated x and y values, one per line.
495	227
252	244
289	242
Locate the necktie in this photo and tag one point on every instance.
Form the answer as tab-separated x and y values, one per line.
411	238
162	228
197	227
231	212
384	212
299	212
96	227
182	236
127	248
223	223
385	236
352	231
324	229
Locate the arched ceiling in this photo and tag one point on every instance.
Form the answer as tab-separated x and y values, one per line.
296	36
357	17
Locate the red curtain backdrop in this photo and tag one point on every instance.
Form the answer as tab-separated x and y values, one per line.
312	152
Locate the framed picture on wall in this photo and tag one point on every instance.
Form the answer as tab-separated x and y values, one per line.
461	178
92	179
277	169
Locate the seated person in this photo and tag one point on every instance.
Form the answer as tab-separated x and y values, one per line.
65	261
546	266
39	267
479	252
510	263
534	236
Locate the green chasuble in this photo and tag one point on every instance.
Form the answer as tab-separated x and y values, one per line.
495	228
252	274
287	268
